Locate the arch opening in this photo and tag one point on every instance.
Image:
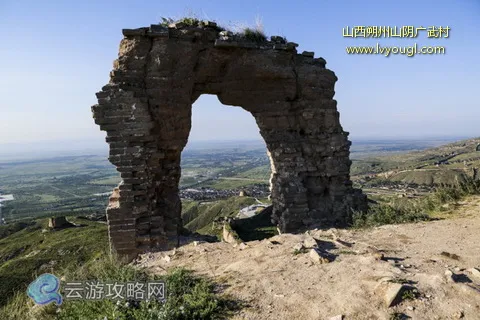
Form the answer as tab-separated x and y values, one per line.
224	163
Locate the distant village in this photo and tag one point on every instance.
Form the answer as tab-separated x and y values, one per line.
205	193
6	197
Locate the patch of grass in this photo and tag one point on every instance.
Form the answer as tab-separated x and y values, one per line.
201	216
397	316
110	181
415	210
387	214
409	294
347	252
400	280
30	252
299	251
188	297
81	254
11	228
253	35
188	21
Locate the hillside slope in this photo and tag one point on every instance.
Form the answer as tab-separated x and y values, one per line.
198	216
446	164
277	282
29	249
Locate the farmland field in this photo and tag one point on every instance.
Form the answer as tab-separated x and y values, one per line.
80	184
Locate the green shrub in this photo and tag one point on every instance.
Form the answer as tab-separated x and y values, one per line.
188	297
29	252
188	21
253	35
386	214
415	210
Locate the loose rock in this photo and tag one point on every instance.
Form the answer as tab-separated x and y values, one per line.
310	242
298	247
393	294
318	257
475	272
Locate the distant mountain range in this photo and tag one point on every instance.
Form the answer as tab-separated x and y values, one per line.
42	149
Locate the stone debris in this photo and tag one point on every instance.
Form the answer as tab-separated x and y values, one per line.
339	317
134	32
278	39
226	33
210	24
279	46
393	294
298	247
310	242
475	272
320	61
59	223
310	54
318	257
228	235
377	254
177	25
156	30
342	243
241	246
449	275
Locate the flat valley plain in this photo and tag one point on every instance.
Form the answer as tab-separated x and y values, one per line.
80	184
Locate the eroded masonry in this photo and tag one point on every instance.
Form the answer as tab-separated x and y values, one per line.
146	111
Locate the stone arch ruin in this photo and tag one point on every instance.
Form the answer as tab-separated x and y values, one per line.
478	148
146	112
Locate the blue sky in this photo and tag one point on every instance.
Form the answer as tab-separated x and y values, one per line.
54	56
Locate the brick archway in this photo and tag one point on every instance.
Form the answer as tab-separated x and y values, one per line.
146	112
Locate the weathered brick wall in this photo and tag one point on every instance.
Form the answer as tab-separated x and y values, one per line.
146	112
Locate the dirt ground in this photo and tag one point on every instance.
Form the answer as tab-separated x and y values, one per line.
276	282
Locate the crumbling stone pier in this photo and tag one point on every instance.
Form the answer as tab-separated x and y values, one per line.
146	111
